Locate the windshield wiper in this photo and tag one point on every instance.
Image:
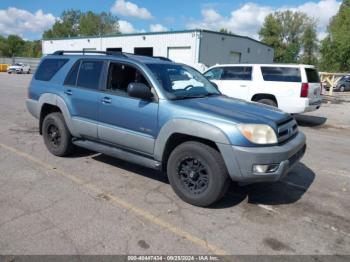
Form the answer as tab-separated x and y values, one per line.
188	97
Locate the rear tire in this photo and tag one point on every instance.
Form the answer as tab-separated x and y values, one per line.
267	101
342	88
197	173
57	137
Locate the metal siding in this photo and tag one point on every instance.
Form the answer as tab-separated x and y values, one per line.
216	48
160	43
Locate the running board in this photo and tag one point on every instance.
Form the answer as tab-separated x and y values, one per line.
118	153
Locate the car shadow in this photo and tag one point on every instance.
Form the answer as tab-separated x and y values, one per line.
287	191
131	167
310	121
81	152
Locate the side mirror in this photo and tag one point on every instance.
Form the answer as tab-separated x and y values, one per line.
215	85
139	90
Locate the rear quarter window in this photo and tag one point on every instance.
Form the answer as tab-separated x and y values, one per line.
312	75
281	74
48	68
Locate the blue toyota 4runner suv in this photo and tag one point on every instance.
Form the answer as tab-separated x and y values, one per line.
162	115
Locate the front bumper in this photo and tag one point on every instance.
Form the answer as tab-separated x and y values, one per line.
240	160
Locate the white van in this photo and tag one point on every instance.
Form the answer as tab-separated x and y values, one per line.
292	88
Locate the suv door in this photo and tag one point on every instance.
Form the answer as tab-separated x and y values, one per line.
82	95
126	121
234	81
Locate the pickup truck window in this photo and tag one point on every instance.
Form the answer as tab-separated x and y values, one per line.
48	68
89	74
281	74
237	73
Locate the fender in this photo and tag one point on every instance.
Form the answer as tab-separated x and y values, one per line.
187	127
56	100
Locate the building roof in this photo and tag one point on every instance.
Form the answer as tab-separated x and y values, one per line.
159	33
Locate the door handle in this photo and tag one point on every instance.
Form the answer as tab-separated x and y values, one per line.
106	100
68	92
243	86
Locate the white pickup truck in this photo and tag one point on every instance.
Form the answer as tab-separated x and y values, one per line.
292	88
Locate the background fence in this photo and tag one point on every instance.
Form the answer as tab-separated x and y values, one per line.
33	62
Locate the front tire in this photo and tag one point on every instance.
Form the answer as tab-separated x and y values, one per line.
197	173
57	137
342	88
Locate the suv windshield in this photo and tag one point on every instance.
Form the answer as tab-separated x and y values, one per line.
181	81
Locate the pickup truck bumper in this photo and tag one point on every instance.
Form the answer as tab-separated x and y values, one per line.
240	161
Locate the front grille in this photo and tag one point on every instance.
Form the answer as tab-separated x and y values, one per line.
286	130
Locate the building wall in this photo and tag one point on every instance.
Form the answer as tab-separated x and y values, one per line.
160	43
222	49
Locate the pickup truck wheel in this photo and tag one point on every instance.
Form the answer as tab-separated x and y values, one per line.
56	135
267	102
197	173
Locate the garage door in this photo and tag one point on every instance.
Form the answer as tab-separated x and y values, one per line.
180	54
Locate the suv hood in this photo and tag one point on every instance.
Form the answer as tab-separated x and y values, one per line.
235	110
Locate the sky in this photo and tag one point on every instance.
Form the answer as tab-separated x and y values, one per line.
30	18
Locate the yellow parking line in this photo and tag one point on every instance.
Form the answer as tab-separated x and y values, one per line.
140	212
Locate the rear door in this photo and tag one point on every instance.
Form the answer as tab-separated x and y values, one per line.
236	81
313	79
82	94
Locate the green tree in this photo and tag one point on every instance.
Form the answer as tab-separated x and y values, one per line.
225	31
285	32
310	45
66	26
91	24
15	45
32	49
75	23
335	48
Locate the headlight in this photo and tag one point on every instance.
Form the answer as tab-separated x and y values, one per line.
258	134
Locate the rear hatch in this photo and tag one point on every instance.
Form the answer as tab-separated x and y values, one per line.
314	89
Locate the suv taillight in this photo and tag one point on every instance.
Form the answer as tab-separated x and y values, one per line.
304	90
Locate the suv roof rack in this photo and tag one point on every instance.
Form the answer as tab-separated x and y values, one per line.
62	52
115	53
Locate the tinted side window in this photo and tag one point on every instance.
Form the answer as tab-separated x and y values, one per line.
281	74
237	73
89	74
312	75
48	68
71	78
214	74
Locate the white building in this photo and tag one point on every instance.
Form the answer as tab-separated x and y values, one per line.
193	47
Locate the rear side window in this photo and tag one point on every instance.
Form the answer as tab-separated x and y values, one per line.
312	75
48	68
89	74
71	78
281	74
237	73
